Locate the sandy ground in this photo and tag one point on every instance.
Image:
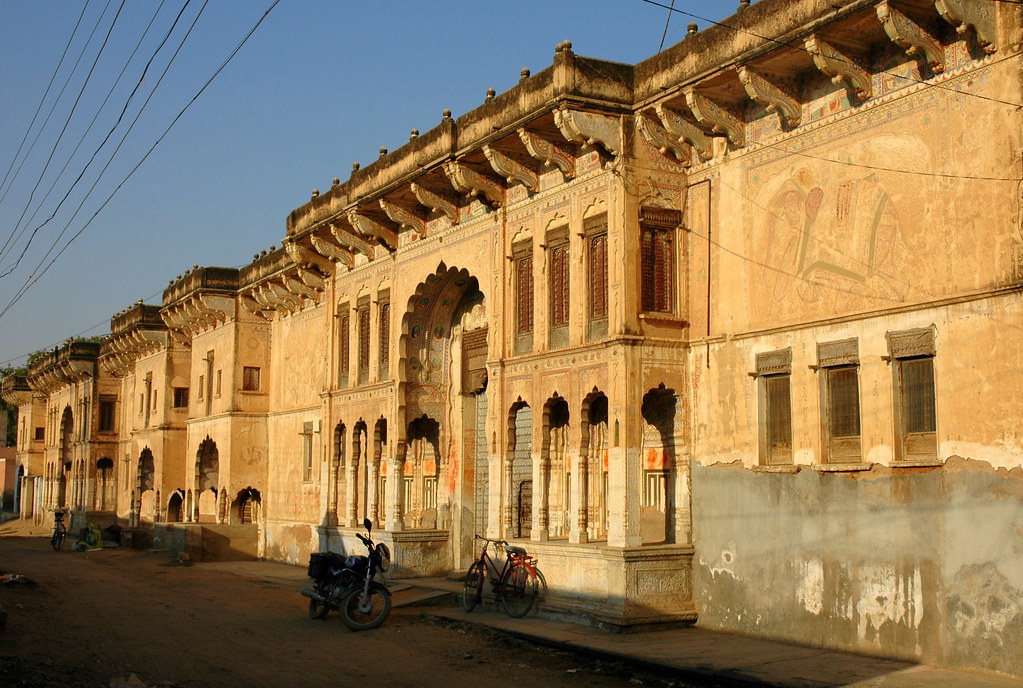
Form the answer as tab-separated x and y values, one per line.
118	617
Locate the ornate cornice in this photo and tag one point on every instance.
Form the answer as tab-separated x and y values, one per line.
123	350
910	36
839	67
468	181
332	251
966	15
404	217
771	95
198	312
435	202
719	120
588	128
512	170
548	152
371	228
684	130
661	139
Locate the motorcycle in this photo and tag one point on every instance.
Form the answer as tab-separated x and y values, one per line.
348	585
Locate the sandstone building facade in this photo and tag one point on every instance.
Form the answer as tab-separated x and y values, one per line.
730	334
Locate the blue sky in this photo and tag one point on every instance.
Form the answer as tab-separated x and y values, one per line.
317	86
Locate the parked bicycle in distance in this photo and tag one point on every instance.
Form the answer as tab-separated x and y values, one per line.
516	583
59	530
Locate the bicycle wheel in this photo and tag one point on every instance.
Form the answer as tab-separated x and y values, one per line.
519	591
57	541
472	590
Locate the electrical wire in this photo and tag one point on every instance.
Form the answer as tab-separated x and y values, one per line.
31	280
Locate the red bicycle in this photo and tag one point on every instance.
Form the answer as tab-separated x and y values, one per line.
516	583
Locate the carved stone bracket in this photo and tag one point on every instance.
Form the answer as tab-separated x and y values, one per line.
588	128
297	286
684	130
712	115
965	15
351	242
312	279
772	96
404	217
253	306
467	180
839	67
661	139
548	152
305	258
435	202
371	228
910	36
512	170
332	251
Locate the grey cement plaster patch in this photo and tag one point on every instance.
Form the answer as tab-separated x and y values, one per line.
920	566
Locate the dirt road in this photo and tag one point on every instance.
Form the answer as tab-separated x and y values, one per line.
93	619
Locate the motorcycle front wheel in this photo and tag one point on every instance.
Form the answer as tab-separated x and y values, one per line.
363	611
317	609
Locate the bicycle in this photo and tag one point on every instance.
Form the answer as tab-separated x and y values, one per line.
59	530
516	583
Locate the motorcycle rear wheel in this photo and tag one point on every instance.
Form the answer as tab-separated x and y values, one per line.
317	609
361	613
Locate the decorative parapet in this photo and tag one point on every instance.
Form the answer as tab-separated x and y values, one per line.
404	217
715	117
513	171
468	181
371	228
772	96
15	390
840	67
661	139
910	36
683	130
967	15
435	202
590	129
548	152
332	251
70	364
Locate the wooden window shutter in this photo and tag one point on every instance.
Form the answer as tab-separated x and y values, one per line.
598	276
559	286
346	343
524	294
363	338
385	337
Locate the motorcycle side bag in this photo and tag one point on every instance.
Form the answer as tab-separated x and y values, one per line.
320	563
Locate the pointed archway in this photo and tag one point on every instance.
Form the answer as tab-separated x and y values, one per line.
207	476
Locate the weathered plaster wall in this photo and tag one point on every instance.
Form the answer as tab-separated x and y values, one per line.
922	564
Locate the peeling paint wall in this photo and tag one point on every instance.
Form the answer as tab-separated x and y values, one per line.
924	566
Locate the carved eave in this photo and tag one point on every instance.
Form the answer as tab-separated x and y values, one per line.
306	258
912	37
332	251
468	181
970	15
683	130
716	118
771	95
840	67
352	242
125	349
371	228
589	129
548	152
404	217
661	139
512	170
198	312
16	391
280	292
435	202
